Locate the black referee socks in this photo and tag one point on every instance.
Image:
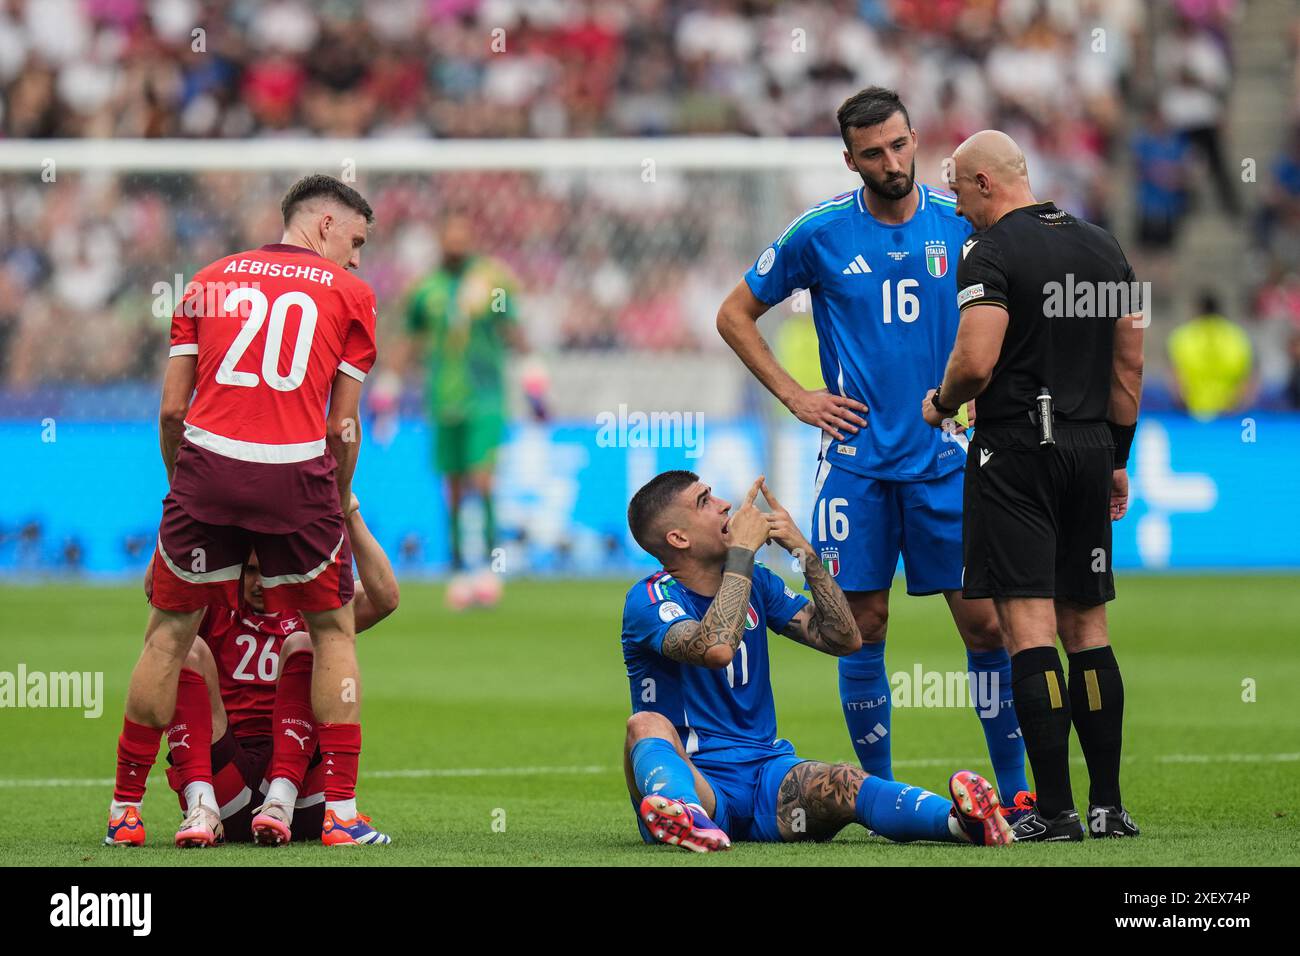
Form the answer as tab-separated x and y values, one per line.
1097	699
1043	708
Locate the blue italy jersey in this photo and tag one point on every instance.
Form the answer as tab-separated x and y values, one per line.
726	711
884	302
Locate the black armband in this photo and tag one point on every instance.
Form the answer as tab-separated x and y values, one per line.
739	561
934	400
1123	438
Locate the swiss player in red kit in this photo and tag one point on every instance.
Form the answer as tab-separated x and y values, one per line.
243	724
263	341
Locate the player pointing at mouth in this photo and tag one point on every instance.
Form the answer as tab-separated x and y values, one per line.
703	761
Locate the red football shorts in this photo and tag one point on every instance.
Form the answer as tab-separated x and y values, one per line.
197	564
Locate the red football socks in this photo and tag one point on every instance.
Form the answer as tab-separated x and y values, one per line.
137	749
293	724
340	748
189	735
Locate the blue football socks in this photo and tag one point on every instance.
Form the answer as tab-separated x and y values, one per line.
865	697
990	675
658	768
903	812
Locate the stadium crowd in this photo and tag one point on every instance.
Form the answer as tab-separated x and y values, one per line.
600	267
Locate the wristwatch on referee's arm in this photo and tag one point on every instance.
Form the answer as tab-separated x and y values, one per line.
938	406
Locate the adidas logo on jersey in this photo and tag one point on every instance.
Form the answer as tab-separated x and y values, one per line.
857	267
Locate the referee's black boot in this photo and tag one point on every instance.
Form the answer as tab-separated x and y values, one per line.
1110	822
1036	828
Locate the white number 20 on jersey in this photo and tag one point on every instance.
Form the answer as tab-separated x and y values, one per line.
256	298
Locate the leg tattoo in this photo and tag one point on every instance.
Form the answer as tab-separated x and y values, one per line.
816	800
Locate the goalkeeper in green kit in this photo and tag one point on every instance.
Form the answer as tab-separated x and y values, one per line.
463	320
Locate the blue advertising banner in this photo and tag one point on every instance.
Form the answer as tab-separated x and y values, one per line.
83	496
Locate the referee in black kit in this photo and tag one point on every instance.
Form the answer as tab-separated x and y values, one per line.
1050	341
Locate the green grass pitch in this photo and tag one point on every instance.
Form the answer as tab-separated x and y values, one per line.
514	717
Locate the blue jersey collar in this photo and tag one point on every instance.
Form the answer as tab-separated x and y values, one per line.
920	206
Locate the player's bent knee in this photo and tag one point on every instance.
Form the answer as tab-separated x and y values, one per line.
984	635
649	724
1081	627
871	614
872	626
295	643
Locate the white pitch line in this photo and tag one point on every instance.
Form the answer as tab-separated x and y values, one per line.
1158	758
488	772
1228	758
591	769
39	784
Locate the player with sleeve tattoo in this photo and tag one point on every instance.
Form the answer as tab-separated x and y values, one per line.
702	758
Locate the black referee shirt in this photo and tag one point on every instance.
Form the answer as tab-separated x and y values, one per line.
1063	282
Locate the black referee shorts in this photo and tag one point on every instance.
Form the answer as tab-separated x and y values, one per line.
1036	520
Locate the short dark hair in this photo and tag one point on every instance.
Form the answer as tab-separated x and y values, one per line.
869	107
1209	303
317	185
649	503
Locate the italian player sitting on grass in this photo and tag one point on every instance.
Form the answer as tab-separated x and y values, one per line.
244	724
702	758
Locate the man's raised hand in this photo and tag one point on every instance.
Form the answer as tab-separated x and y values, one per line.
748	527
781	527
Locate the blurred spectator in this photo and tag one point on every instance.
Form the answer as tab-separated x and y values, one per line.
1214	16
1195	76
1212	359
1275	319
1281	207
563	68
601	266
1161	156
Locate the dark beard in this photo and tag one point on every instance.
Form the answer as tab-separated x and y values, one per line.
893	190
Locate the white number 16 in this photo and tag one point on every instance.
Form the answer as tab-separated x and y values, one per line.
839	521
909	306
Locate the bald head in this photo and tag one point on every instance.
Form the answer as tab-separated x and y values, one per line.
990	177
994	152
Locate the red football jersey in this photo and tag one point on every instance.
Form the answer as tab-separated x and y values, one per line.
271	328
247	646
